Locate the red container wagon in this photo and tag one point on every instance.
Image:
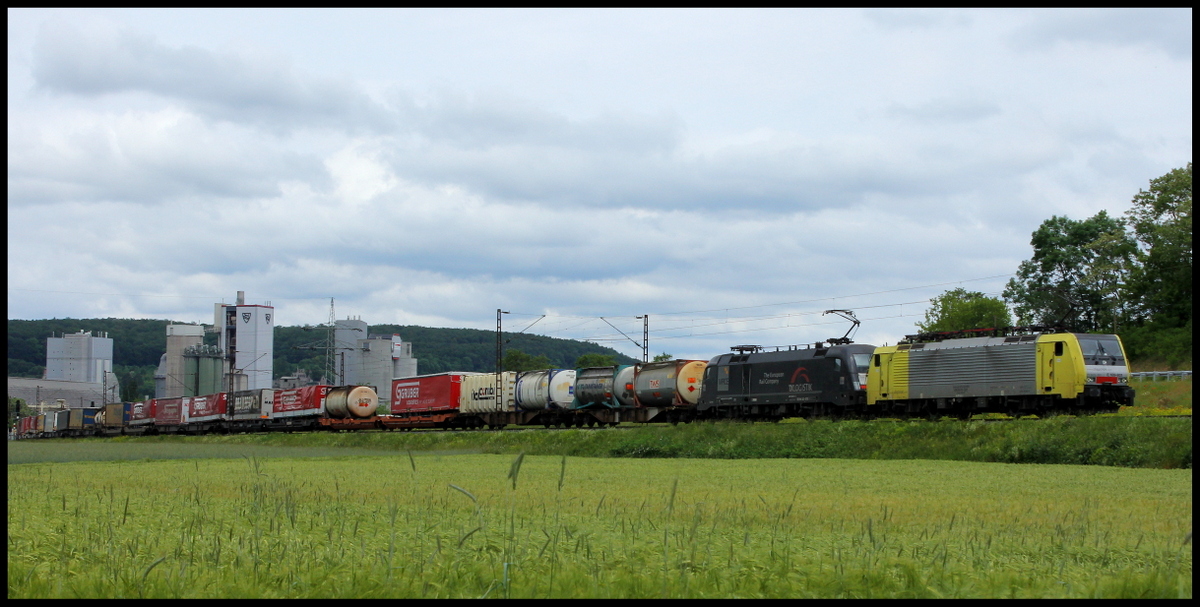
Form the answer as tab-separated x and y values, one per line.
29	425
299	402
424	394
142	413
207	408
169	412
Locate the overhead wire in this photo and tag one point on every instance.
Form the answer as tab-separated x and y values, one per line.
662	333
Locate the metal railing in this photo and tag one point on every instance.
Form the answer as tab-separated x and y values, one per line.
1163	375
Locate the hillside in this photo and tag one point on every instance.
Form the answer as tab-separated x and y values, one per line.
138	344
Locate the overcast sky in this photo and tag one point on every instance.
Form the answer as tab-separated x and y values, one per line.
731	173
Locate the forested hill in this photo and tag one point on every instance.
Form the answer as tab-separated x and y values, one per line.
140	343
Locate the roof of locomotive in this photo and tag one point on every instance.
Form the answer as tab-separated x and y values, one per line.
1026	333
801	352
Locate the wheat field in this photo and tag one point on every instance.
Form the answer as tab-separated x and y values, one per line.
503	526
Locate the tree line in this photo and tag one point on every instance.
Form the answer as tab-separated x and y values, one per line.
1129	275
139	344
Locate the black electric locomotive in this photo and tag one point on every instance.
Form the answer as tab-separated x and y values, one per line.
817	380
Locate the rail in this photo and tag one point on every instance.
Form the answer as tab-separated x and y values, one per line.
1164	375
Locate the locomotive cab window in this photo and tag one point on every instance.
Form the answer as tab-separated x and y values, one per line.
1101	350
862	361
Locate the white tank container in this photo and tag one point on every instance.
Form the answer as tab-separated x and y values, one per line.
545	389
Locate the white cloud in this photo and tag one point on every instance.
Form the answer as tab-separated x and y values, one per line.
731	173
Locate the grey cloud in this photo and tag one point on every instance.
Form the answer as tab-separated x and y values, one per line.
490	121
945	111
140	162
1167	29
916	18
102	60
768	177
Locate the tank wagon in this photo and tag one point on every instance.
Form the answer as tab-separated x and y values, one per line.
1025	371
663	391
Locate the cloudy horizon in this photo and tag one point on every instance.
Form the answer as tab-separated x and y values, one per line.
731	173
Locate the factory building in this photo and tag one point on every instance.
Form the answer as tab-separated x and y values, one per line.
49	394
79	357
78	374
370	360
169	380
245	333
347	359
383	358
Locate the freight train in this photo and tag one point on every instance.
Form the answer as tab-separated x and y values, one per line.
1015	370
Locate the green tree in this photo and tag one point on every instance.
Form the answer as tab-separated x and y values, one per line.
1161	221
136	382
1060	283
595	360
663	357
17	408
516	360
1160	283
959	309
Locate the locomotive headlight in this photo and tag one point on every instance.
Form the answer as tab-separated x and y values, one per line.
1091	379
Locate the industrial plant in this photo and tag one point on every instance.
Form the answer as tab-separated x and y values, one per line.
79	366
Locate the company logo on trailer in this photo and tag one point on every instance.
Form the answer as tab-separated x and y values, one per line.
408	391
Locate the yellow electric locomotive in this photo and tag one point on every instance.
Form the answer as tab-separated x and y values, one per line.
1021	371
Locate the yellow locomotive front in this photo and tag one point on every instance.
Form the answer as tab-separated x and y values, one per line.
1087	371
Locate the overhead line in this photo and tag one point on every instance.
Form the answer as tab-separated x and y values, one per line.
941	284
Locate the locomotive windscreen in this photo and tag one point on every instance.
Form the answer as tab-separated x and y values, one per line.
1101	350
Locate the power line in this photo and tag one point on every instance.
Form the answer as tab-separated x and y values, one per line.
787	303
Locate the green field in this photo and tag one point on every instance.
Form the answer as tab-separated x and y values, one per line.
364	524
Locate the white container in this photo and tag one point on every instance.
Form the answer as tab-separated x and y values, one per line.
478	394
545	389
